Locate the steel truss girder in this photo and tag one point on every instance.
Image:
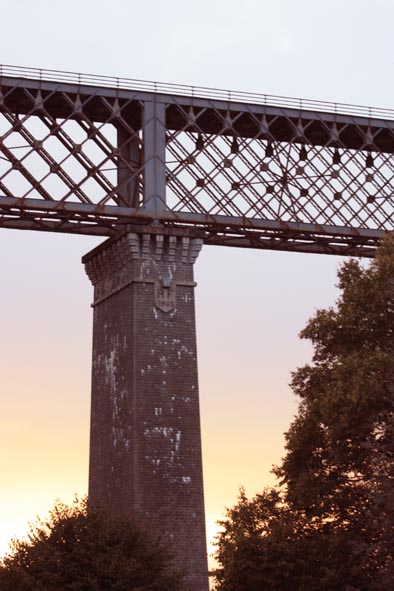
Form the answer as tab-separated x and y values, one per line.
96	160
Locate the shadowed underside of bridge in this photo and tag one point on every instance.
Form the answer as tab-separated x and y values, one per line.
101	156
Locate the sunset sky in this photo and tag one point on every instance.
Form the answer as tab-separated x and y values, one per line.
251	305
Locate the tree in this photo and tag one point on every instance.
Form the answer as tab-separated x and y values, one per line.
77	549
265	545
337	477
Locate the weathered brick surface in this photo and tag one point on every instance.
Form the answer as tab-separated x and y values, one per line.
145	446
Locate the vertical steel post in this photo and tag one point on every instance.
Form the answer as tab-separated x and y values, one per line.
154	138
128	164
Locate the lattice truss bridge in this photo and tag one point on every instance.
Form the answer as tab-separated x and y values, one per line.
97	155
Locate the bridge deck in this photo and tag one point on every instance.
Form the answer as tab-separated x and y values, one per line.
95	155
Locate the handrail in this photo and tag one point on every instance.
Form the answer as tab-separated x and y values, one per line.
194	91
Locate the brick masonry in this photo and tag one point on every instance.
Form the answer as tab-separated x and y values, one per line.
145	443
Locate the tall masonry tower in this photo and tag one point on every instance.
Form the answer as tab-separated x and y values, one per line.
145	442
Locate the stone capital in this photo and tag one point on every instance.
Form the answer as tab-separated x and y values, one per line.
165	261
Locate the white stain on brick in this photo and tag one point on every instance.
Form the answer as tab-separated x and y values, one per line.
170	435
180	479
110	371
178	436
118	436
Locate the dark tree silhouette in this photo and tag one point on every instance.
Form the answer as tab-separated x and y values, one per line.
85	549
329	525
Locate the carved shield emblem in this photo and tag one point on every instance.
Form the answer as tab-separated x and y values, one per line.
165	296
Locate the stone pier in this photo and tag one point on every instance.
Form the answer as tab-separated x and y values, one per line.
145	443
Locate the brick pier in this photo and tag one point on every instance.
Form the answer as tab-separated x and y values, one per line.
145	443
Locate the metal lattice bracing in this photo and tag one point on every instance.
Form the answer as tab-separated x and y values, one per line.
98	156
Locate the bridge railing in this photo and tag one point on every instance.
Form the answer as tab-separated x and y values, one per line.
194	91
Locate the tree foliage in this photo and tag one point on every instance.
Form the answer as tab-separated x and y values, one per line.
77	549
265	545
331	518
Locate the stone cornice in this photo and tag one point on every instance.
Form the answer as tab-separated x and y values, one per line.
142	258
